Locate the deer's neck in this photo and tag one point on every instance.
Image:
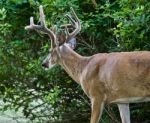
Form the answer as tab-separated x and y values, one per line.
72	62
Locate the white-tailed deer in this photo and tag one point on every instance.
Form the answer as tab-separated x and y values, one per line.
120	78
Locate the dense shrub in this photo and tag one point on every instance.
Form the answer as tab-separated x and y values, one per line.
110	26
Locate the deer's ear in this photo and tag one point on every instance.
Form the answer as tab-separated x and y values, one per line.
72	43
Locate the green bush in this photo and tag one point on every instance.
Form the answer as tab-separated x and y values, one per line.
117	25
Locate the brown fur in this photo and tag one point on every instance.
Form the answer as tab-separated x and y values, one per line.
116	77
108	77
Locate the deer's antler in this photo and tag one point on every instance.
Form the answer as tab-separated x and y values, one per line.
75	23
42	27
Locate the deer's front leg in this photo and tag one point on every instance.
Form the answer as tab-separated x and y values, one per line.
124	112
97	108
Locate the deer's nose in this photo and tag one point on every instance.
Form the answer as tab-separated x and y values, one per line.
45	64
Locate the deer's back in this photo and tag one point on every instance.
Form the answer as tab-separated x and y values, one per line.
125	74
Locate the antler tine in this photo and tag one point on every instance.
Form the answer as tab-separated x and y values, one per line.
42	16
74	14
75	22
66	25
42	27
71	20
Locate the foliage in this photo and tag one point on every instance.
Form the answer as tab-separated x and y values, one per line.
117	25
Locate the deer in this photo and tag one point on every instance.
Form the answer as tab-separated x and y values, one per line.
106	78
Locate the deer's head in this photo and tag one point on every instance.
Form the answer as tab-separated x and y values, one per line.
58	42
